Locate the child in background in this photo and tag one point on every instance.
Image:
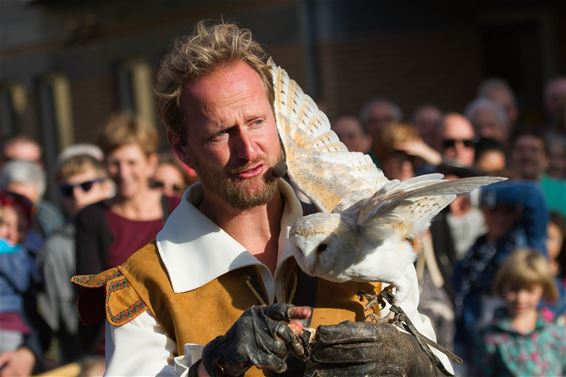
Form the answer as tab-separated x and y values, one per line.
82	180
15	269
516	217
555	246
519	341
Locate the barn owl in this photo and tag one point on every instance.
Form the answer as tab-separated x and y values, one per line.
366	223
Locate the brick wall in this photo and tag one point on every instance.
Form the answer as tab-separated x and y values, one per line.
410	69
92	100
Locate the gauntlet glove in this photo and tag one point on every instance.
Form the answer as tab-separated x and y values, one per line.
260	337
368	349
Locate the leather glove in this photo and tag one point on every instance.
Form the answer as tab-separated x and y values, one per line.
262	336
368	349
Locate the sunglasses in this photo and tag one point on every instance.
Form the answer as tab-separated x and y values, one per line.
155	184
450	143
68	189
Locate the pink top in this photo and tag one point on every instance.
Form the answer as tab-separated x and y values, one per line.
128	236
13	321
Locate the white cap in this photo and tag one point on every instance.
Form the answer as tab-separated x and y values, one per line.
81	149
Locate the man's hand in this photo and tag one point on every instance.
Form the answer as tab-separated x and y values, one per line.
420	149
17	363
368	349
262	336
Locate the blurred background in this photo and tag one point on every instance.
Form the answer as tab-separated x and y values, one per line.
65	65
429	86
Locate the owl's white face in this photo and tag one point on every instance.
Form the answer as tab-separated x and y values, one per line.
317	242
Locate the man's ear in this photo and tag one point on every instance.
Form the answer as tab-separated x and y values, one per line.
179	147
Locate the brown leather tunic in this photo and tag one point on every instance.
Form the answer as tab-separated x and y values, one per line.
202	314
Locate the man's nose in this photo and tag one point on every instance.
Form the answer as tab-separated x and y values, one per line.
244	145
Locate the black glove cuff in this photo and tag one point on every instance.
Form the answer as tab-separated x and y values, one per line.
193	370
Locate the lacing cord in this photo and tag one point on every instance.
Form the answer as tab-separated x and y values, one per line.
260	299
254	291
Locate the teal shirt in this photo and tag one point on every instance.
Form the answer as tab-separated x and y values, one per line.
554	191
504	352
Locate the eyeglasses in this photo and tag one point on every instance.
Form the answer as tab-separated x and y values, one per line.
155	184
450	143
68	189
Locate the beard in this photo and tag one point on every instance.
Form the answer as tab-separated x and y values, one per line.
241	193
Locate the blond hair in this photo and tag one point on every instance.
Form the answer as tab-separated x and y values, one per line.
124	129
523	269
211	45
391	134
80	164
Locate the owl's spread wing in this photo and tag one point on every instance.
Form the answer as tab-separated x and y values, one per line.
318	163
409	206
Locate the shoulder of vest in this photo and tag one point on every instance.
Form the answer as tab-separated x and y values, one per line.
113	290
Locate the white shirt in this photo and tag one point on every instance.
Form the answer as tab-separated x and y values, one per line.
194	251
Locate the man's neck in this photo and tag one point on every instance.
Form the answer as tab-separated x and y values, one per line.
257	228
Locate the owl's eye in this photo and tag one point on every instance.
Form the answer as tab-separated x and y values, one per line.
321	248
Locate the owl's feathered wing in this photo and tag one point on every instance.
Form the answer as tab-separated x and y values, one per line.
335	179
409	206
318	163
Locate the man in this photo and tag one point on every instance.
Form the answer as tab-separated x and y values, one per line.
225	249
427	120
499	91
555	102
352	134
82	180
529	159
489	119
377	113
457	139
21	148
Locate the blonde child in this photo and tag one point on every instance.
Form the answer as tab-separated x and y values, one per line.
519	341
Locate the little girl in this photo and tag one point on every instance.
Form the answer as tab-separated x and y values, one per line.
520	342
15	269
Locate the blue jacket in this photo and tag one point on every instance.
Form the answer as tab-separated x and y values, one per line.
473	275
15	273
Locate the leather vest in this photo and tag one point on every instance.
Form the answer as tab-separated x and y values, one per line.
202	314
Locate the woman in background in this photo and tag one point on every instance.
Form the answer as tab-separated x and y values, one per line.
108	232
170	178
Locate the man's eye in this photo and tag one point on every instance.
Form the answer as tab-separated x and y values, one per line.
219	136
259	122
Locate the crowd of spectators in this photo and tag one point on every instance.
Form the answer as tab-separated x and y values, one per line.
481	257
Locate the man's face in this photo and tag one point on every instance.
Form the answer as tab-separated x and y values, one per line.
528	157
350	132
427	120
457	137
489	125
380	115
555	100
22	150
230	135
505	100
501	219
